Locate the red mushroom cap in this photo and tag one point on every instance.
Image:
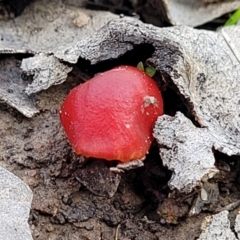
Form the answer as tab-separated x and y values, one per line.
111	116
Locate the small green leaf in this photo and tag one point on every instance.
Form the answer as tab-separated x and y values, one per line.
150	71
140	66
233	19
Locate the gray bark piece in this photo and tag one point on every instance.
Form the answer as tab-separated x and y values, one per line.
208	78
47	71
193	13
232	36
15	203
112	41
46	26
12	87
217	227
184	149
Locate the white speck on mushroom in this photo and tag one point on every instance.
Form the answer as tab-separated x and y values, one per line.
127	125
148	100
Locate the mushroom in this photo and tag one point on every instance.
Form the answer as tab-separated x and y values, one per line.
111	116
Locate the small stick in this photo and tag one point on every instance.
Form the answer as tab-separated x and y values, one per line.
229	207
117	230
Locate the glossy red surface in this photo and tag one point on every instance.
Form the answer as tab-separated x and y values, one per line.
111	116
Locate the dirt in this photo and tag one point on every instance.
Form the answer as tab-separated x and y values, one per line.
37	151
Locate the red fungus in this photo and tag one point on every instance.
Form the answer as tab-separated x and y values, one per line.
111	116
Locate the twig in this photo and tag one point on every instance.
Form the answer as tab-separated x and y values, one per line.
229	207
117	230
